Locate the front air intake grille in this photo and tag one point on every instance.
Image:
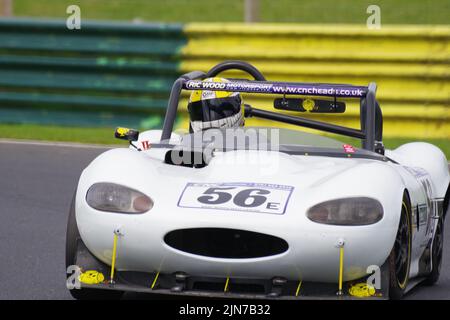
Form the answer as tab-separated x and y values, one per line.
225	243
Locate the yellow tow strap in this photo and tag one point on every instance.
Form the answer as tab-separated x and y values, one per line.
341	267
225	289
113	259
298	288
154	281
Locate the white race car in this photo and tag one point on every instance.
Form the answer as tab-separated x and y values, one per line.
260	212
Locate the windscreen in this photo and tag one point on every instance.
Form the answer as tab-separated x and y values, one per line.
256	138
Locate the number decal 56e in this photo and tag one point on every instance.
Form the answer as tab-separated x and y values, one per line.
241	196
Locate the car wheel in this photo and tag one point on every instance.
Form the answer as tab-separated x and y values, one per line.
400	257
72	239
436	254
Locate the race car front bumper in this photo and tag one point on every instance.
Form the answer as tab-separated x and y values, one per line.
185	285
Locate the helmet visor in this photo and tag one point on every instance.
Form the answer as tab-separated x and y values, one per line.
214	109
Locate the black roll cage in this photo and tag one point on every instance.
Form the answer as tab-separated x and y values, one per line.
370	133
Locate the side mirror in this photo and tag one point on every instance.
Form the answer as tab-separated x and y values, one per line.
309	105
126	134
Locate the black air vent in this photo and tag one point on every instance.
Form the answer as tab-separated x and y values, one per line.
225	243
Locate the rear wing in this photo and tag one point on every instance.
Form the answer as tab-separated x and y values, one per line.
370	128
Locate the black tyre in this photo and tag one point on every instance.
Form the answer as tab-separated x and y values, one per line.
400	257
436	254
72	240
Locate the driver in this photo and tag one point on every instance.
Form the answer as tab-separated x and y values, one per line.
215	109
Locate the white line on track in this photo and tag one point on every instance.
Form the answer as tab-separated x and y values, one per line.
59	144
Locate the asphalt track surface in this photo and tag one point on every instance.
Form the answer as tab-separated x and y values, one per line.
37	183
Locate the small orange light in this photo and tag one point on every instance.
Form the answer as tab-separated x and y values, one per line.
320	214
142	204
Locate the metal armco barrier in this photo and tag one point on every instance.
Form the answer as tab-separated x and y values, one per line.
121	74
103	74
410	64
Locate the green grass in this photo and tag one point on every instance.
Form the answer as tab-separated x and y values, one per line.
306	11
392	143
443	144
106	136
57	133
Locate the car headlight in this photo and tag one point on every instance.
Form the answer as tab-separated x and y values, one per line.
116	198
347	212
